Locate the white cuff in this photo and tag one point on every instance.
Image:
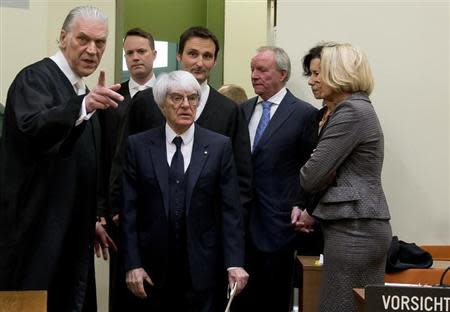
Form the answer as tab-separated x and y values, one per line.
83	115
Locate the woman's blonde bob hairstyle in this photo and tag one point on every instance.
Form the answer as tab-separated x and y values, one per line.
345	68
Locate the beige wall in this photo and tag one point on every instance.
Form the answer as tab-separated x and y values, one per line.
23	43
407	43
246	25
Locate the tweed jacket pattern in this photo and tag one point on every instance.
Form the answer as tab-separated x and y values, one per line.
346	165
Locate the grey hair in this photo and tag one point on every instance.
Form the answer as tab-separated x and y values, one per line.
282	60
86	11
178	79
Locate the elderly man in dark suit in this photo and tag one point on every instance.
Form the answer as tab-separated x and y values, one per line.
181	213
197	54
282	134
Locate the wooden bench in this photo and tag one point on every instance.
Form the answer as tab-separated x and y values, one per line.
429	276
438	252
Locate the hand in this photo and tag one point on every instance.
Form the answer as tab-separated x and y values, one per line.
115	219
135	282
307	222
102	97
238	276
302	221
102	241
295	216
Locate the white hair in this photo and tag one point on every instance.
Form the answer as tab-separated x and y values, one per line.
86	11
282	60
178	79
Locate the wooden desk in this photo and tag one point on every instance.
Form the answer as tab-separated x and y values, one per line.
23	301
310	287
438	252
429	276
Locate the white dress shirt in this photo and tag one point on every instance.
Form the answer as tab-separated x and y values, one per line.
203	98
135	87
186	146
257	113
76	81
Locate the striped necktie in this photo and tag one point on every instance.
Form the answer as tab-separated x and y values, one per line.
263	122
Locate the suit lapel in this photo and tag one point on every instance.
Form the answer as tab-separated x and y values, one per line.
210	108
199	156
158	154
124	86
283	111
248	109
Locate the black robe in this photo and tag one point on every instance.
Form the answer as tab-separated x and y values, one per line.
48	189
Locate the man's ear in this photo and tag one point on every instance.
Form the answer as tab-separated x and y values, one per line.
283	75
63	39
162	108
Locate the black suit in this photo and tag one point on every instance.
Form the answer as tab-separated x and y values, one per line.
284	147
214	235
110	121
220	115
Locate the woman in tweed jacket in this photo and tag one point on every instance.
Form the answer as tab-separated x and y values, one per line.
345	169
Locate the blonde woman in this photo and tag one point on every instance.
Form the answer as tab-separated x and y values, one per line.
346	168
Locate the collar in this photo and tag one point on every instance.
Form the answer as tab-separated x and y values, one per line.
132	84
187	136
204	91
276	98
64	66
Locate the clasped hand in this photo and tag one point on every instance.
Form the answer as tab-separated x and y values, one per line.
302	220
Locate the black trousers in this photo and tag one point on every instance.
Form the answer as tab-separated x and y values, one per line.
177	294
119	295
269	287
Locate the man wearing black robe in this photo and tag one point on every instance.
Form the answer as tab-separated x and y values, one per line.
48	169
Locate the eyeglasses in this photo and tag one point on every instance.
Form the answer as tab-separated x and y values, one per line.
178	99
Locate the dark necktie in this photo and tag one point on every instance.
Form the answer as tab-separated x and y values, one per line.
177	164
263	122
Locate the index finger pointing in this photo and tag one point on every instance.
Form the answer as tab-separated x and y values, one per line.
101	78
